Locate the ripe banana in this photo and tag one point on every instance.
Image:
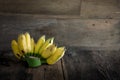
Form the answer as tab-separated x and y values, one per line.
46	44
15	49
32	45
49	51
28	42
22	44
45	50
39	44
56	56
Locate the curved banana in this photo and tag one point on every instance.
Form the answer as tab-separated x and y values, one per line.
32	45
22	44
46	44
28	42
46	50
15	49
49	51
56	56
40	42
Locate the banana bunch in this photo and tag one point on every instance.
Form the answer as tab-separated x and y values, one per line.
44	49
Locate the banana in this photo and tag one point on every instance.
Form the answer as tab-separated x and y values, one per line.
45	49
46	44
32	45
22	44
56	56
28	42
40	42
49	51
15	49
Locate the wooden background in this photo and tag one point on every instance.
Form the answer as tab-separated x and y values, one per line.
64	8
52	7
90	30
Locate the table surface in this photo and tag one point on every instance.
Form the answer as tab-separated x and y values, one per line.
77	64
92	48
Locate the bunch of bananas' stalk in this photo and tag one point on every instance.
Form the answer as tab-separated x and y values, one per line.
46	49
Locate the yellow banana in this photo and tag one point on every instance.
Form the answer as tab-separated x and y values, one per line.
28	42
32	45
56	56
15	49
46	44
49	51
22	44
39	44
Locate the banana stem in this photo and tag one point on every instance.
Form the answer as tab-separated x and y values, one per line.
43	61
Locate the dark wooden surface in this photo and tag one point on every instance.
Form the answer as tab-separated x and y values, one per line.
77	64
63	8
102	33
93	48
48	7
90	30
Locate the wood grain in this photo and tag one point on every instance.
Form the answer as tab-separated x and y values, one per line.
49	7
92	64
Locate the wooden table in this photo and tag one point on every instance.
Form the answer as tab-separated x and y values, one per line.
77	64
89	56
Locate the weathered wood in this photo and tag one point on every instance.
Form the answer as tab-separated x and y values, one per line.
92	64
49	7
47	72
54	72
63	9
12	69
65	74
89	32
102	33
100	9
77	64
37	73
92	48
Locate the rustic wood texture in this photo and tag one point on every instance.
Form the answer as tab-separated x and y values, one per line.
12	69
100	9
95	9
92	64
90	30
102	33
48	7
47	72
77	64
92	48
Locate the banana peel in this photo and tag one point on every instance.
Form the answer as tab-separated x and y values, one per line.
36	54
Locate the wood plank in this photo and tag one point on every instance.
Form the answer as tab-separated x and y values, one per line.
89	32
47	72
65	73
78	64
100	9
72	65
49	7
11	69
37	73
92	64
101	33
54	72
